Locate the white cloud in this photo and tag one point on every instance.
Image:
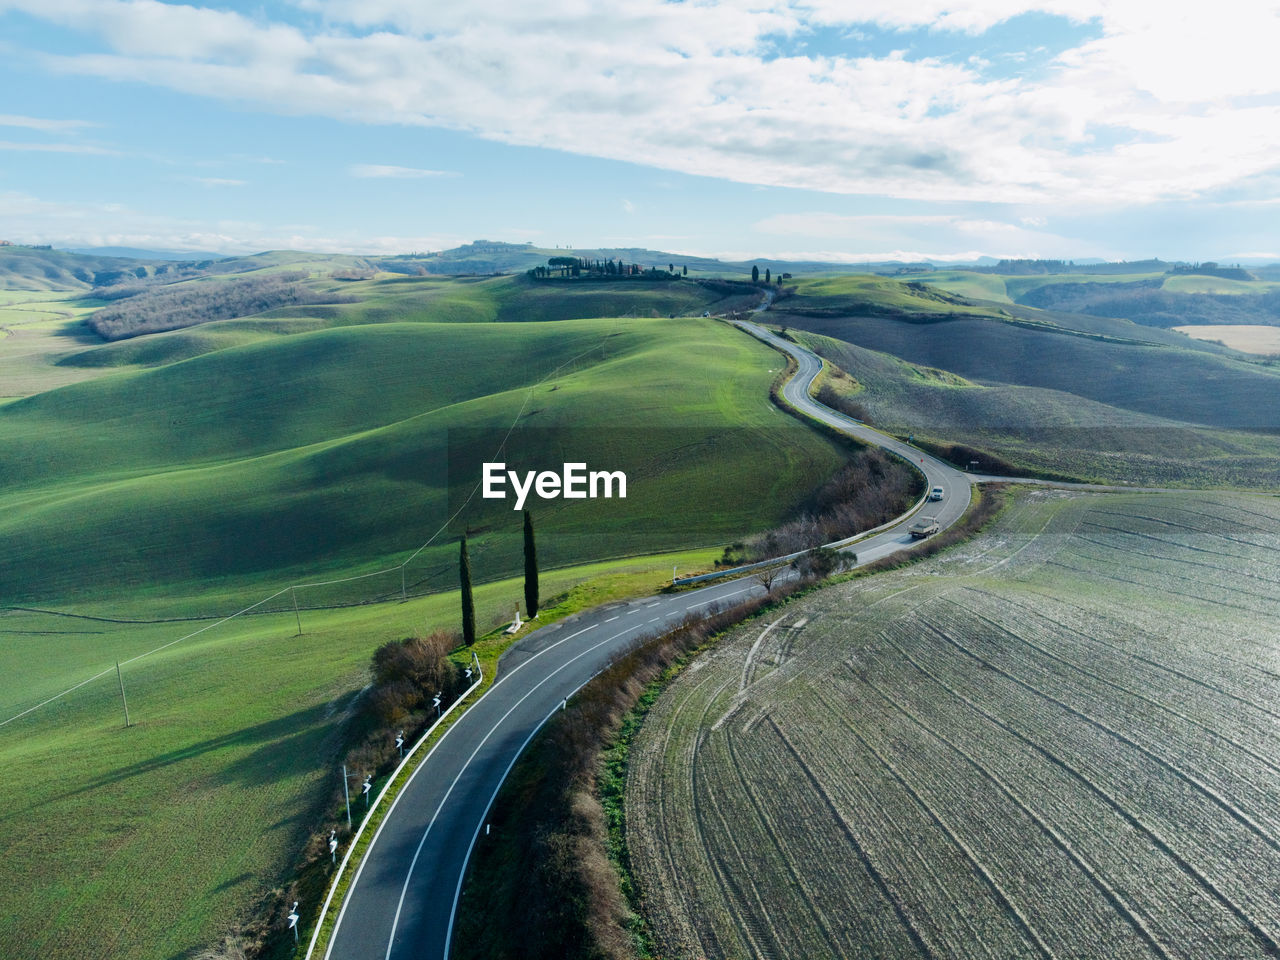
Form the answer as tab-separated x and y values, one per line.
1151	109
29	219
42	124
971	236
404	173
214	181
55	147
843	256
628	206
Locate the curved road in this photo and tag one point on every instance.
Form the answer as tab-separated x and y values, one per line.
402	901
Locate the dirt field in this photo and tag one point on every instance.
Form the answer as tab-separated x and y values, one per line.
1060	740
1246	337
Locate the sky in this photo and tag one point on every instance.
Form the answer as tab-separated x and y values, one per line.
843	130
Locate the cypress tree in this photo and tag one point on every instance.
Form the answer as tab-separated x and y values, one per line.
766	275
755	274
468	604
530	568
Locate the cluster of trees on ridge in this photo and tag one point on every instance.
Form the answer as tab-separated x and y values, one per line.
581	267
603	269
170	308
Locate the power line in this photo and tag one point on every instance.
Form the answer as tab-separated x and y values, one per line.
319	583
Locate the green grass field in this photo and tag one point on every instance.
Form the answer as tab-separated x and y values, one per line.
196	487
868	293
1218	285
151	841
330	451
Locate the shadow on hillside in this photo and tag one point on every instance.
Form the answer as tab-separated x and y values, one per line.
287	746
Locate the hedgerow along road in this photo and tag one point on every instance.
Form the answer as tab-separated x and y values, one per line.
403	900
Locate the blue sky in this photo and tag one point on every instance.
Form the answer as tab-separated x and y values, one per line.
841	130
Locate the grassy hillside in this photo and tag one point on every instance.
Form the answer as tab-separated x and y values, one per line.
154	841
1046	431
40	269
834	296
322	450
1179	383
1156	298
196	487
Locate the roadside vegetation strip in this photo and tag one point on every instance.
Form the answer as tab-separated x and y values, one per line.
555	786
547	870
986	752
377	814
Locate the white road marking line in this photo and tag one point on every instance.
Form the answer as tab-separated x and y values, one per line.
333	936
421	843
650	606
611	619
655	620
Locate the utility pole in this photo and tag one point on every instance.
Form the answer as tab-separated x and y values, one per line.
293	593
120	677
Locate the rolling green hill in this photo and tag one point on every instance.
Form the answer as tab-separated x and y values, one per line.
1155	298
1044	431
1187	384
329	449
198	486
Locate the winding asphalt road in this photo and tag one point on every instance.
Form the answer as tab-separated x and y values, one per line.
403	901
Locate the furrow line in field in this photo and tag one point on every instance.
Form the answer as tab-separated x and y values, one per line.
949	901
733	867
1125	635
1106	941
1176	549
727	889
1092	569
658	828
1153	734
1224	578
809	902
1128	739
1218	531
1191	690
827	875
868	864
1235	504
1189	833
1201	936
1125	656
1007	905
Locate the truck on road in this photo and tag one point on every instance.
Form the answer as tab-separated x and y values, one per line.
924	527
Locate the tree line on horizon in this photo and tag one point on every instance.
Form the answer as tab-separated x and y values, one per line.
602	269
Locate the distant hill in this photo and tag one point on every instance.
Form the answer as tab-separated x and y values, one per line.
41	268
1113	362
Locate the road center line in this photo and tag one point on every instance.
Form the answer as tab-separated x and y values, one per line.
368	854
391	939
